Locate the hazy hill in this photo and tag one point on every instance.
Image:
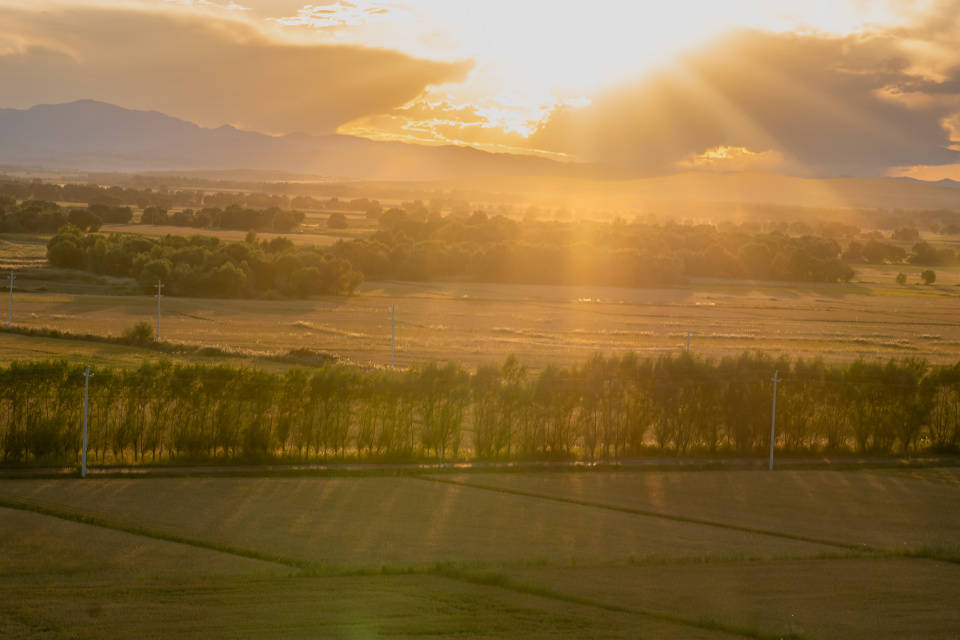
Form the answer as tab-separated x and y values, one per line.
92	136
700	193
95	136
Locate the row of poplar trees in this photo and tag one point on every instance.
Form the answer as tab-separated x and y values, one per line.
607	408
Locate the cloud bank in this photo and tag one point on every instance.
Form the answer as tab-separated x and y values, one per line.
853	105
882	100
207	67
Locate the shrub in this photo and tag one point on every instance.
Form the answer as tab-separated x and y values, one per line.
337	221
906	234
65	249
140	333
84	219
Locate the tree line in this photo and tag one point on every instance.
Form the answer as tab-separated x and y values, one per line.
499	249
39	216
606	408
113	196
207	266
167	199
233	216
172	192
921	252
478	248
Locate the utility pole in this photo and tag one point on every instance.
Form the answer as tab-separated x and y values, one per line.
159	290
10	306
773	417
393	333
86	395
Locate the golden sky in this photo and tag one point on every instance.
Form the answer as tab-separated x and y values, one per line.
838	87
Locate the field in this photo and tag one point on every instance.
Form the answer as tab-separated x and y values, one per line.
20	251
871	317
475	323
865	553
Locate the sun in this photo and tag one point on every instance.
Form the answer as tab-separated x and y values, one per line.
531	57
562	47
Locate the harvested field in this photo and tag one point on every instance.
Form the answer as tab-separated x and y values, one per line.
342	520
475	323
398	556
892	510
842	598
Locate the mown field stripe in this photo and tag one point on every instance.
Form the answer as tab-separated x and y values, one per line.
439	569
653	514
500	580
82	518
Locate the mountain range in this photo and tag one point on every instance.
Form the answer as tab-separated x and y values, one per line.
89	135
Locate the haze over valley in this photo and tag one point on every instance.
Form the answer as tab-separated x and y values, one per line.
539	319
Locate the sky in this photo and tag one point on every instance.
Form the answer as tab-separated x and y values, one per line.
819	88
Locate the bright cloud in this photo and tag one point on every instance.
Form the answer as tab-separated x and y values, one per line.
210	68
724	158
821	87
339	14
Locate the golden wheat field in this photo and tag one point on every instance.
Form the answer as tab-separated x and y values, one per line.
474	322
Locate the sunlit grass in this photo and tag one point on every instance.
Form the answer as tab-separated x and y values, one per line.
402	556
475	323
857	597
399	521
889	512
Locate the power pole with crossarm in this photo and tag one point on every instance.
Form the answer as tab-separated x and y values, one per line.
159	290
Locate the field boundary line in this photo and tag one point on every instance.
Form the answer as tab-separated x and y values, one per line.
480	467
503	581
103	523
439	569
654	514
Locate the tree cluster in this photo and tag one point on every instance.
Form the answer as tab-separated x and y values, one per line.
39	216
207	266
499	249
370	207
96	194
878	252
606	408
166	199
232	217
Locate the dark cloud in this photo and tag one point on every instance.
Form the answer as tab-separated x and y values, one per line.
853	105
205	68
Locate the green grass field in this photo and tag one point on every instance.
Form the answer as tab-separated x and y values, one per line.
659	554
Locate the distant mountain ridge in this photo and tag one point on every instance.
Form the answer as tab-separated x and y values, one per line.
90	136
95	136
